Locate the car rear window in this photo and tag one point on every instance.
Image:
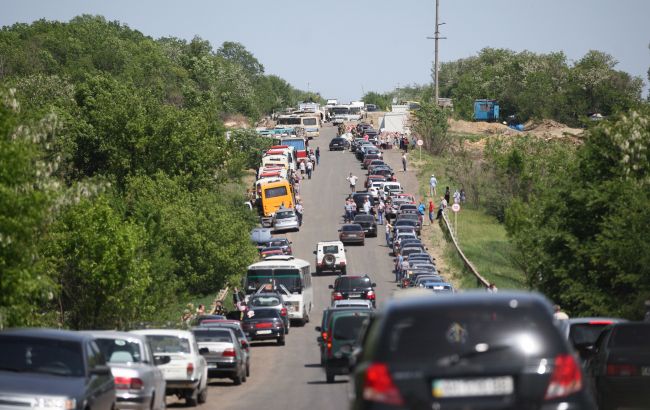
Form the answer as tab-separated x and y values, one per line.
262	314
213	335
258	301
364	218
351	228
119	350
330	249
353	283
168	344
418	335
585	333
631	336
348	327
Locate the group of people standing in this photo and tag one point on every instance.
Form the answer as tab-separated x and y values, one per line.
459	196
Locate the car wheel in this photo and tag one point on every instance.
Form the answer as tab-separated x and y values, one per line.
248	369
344	271
243	377
190	398
203	396
281	341
237	380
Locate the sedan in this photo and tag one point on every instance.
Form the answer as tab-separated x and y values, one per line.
368	223
264	324
337	144
352	233
223	353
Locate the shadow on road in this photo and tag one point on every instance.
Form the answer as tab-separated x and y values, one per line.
325	382
222	383
313	365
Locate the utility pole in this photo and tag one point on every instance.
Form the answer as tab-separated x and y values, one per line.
436	37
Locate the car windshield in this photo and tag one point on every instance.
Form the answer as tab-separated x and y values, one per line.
212	335
585	333
309	121
118	350
330	249
284	215
275	192
280	242
40	355
262	314
353	283
631	336
265	301
169	344
288	277
416	335
348	327
351	228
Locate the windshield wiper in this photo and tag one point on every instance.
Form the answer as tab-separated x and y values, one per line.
454	359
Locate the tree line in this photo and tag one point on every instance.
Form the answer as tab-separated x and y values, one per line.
120	192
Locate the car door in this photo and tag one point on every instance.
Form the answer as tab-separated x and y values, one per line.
157	376
100	388
200	363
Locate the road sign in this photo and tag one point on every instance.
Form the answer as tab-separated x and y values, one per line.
455	207
420	142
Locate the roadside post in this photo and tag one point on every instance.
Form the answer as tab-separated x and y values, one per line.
420	143
456	209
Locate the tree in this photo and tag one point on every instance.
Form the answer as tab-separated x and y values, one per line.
382	101
431	124
237	54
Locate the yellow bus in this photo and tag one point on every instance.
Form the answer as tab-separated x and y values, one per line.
275	195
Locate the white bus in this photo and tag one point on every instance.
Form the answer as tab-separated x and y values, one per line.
289	276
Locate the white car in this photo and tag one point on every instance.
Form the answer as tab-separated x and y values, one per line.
285	219
186	373
375	189
390	188
330	256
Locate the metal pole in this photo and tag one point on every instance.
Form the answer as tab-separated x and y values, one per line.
436	36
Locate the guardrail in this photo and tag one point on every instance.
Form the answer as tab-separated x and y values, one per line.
481	281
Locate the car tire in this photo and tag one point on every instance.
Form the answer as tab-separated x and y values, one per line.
329	376
243	376
191	398
248	369
237	380
318	271
281	341
344	271
203	396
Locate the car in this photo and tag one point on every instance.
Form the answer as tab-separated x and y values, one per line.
342	332
407	222
354	287
352	233
139	383
474	350
186	373
582	332
337	144
411	215
421	264
236	326
400	236
270	251
330	256
283	243
369	158
374	189
619	367
264	324
421	257
438	287
391	188
201	318
368	223
223	353
371	108
260	237
385	172
285	219
371	180
368	163
53	369
328	313
270	300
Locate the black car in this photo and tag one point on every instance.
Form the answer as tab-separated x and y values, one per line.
56	369
411	217
322	329
368	224
474	350
264	324
354	287
620	367
338	144
360	197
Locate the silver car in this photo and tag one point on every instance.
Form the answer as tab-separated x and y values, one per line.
222	351
285	220
139	384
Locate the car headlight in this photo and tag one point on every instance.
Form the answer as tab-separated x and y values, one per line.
63	403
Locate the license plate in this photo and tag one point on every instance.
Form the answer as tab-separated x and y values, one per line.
645	371
212	366
354	295
263	332
494	386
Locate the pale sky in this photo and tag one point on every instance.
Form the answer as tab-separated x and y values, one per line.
345	47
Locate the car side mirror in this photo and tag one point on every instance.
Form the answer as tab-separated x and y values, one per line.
204	350
319	339
317	328
374	285
100	370
160	360
331	286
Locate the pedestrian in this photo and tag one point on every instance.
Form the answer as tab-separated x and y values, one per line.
354	210
559	314
310	169
380	211
406	145
403	270
200	310
421	209
317	155
299	211
352	179
491	288
443	205
456	197
312	159
399	259
433	183
447	194
389	227
303	167
432	207
218	308
348	211
404	161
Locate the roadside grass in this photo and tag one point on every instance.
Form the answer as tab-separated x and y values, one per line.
483	240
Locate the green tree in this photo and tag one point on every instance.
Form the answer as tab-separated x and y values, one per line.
431	124
237	53
382	101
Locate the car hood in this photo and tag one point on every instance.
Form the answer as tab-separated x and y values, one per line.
33	384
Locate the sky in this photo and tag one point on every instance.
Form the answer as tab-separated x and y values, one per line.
344	48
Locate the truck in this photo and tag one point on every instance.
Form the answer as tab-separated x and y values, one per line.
486	110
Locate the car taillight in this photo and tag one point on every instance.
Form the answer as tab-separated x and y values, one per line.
190	369
283	312
337	296
378	386
324	335
622	370
342	263
128	383
329	342
566	378
229	353
371	294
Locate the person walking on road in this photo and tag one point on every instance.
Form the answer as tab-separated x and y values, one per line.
404	161
352	179
348	211
312	159
380	212
366	206
310	169
433	183
299	211
303	167
317	155
432	208
399	260
559	314
389	227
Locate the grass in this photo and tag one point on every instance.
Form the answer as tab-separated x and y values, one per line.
481	237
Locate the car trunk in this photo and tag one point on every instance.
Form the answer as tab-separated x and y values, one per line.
176	369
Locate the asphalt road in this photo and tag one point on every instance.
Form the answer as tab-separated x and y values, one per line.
289	377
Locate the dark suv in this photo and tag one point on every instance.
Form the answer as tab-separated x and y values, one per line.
337	144
353	287
468	351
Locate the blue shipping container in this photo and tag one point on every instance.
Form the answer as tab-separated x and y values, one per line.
486	110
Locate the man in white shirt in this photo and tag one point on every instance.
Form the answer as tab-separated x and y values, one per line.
352	179
299	211
433	183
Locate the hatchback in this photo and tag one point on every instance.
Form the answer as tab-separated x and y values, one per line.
468	351
353	287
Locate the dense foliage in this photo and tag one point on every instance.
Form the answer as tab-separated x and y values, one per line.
119	185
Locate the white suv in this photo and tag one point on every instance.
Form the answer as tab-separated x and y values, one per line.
330	256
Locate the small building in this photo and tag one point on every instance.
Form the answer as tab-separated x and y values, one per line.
486	110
